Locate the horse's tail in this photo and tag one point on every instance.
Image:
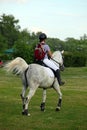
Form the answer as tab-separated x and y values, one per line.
17	66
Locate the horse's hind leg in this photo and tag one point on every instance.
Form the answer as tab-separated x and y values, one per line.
57	88
23	96
28	98
42	106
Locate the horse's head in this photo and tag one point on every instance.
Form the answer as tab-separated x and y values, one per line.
58	58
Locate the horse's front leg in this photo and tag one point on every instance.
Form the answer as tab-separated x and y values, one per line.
42	106
57	88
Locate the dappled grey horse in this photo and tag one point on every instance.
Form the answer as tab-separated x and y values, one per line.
35	76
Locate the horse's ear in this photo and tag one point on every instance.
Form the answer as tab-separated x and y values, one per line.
62	51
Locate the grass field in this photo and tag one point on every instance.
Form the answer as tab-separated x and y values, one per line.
73	114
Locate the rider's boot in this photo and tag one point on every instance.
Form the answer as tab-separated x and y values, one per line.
59	77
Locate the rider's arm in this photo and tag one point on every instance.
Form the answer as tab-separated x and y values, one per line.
50	54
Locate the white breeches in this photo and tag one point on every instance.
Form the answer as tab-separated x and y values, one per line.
50	64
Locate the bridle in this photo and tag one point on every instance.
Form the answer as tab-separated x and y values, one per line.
60	66
56	61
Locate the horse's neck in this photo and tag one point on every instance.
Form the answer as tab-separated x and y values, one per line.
56	56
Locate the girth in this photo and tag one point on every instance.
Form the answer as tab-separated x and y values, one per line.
25	74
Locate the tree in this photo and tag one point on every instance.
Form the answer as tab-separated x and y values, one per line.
9	29
2	45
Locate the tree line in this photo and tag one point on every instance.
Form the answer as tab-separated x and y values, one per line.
23	43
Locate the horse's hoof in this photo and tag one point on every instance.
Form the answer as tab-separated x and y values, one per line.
43	110
58	109
28	114
25	112
42	107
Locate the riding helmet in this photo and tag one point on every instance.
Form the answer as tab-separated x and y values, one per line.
42	36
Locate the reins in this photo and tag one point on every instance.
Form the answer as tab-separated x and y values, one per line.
56	61
60	66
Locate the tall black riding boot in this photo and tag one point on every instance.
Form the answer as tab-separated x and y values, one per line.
59	77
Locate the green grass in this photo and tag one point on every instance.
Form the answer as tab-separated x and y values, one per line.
73	114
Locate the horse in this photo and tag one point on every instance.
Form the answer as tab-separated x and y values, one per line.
36	76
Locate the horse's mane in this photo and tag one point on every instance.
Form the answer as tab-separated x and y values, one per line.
17	65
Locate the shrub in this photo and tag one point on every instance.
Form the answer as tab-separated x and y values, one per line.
74	60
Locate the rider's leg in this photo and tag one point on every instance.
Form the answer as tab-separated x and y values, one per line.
59	77
51	65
